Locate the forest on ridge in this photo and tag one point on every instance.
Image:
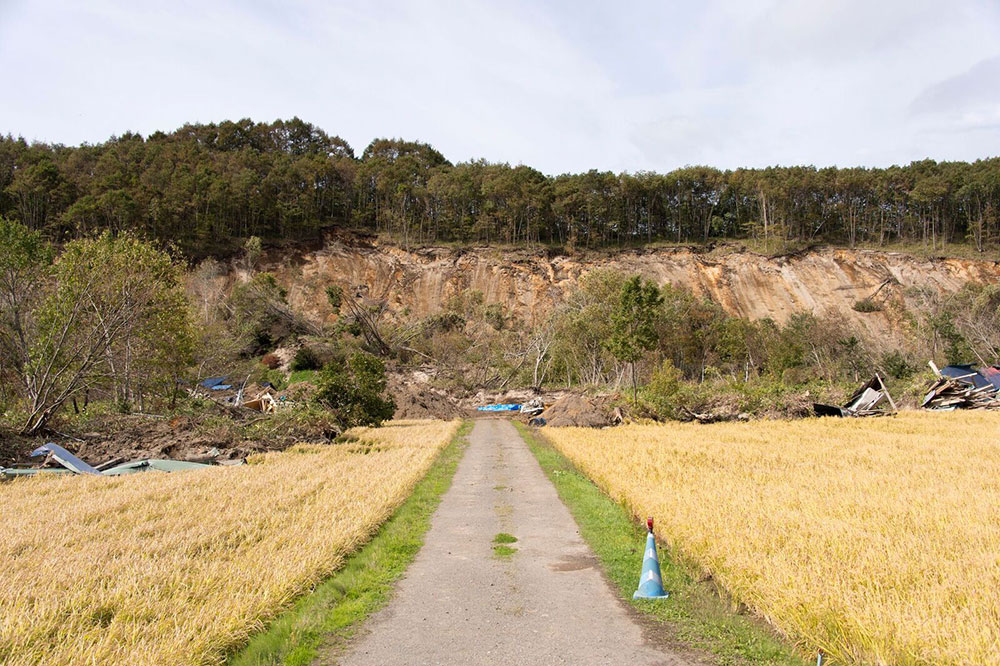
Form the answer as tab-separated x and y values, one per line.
204	187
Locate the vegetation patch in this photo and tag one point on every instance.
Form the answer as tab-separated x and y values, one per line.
503	552
696	615
867	305
503	537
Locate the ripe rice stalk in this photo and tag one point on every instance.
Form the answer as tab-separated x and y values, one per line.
875	540
179	568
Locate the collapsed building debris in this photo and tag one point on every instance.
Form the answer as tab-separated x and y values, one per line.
60	461
259	398
869	400
963	387
533	407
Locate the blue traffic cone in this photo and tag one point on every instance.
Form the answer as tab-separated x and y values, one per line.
650	582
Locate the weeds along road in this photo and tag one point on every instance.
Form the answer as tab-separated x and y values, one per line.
461	602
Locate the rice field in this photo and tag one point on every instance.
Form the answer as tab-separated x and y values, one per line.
875	540
179	568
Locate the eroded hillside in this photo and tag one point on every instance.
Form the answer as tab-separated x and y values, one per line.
530	284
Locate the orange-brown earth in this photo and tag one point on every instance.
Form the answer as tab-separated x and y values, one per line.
531	283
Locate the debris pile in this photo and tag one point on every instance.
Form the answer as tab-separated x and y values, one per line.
963	387
257	397
60	461
583	411
422	402
533	407
869	400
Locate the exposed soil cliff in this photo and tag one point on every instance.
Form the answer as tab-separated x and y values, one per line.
530	284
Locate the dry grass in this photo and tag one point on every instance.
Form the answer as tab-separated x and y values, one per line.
179	568
876	540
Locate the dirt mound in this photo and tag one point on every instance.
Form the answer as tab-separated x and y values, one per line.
582	411
420	401
180	438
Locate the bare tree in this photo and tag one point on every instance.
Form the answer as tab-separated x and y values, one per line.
109	311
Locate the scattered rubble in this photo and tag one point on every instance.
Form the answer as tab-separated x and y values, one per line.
60	461
869	400
249	395
963	387
533	407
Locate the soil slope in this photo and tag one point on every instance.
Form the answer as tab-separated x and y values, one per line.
530	284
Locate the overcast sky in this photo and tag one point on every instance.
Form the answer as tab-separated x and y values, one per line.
561	86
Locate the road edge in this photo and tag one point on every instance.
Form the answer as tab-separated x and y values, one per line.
696	617
326	618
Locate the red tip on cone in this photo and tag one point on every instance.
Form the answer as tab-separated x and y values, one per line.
649	523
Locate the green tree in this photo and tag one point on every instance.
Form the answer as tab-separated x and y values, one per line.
633	324
355	391
25	262
110	312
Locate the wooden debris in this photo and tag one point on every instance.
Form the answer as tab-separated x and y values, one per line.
869	400
946	393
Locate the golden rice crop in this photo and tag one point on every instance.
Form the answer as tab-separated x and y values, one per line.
177	568
876	540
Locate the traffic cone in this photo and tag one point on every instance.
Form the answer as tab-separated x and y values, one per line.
650	581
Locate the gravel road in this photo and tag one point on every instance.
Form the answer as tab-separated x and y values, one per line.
460	603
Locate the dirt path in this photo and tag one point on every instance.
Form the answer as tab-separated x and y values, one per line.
459	603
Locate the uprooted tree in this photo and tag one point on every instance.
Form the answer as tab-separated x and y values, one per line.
107	313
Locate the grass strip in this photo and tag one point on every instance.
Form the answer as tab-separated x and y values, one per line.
695	615
330	613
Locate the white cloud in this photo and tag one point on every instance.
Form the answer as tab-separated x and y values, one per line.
559	86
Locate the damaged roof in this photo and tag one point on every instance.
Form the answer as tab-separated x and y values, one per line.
70	464
968	373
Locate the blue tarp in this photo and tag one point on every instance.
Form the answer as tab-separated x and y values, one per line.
222	387
499	408
211	382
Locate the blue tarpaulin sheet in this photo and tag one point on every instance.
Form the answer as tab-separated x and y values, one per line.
211	381
499	408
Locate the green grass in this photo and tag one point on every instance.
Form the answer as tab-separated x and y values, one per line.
503	552
696	615
329	614
303	376
503	537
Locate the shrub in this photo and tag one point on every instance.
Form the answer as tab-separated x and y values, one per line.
270	361
898	366
306	358
354	391
867	305
662	394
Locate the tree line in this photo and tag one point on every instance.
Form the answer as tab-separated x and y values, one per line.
206	187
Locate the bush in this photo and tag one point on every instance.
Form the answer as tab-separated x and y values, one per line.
270	361
867	305
306	358
354	391
896	365
662	396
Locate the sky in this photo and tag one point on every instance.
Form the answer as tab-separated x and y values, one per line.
561	86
